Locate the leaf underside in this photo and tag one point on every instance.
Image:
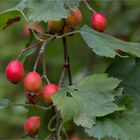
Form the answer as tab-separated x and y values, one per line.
108	46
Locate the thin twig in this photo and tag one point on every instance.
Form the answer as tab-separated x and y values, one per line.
33	106
61	80
44	69
42	49
61	36
36	62
59	131
65	133
66	66
67	60
48	137
26	49
27	20
67	34
58	124
50	123
88	6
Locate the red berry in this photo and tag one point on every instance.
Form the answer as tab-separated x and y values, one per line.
35	96
99	22
74	18
48	91
75	137
14	71
34	26
32	81
32	125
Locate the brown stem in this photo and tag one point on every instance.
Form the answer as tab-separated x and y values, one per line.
26	49
50	123
44	69
61	80
88	6
34	106
66	66
65	133
67	34
67	60
58	124
41	52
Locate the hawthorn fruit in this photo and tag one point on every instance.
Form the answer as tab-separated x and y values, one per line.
34	96
75	137
34	26
98	22
48	91
14	71
32	125
74	18
32	81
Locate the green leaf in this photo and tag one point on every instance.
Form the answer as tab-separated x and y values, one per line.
4	103
105	45
123	126
21	5
90	98
72	4
45	10
9	17
129	73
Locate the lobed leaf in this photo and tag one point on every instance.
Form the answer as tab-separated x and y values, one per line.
45	10
108	46
123	126
90	98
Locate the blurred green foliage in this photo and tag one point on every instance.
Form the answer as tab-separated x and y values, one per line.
123	22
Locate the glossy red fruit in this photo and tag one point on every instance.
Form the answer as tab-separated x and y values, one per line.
32	81
32	125
74	18
14	71
75	137
48	91
34	96
34	26
99	22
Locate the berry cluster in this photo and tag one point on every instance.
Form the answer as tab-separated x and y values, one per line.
65	25
32	80
75	18
33	90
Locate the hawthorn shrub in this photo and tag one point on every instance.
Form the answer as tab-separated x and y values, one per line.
99	105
